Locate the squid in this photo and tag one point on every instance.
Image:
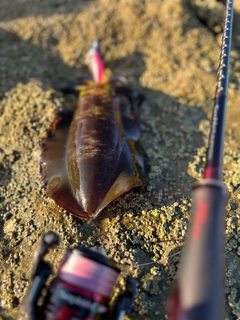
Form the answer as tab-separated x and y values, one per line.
92	156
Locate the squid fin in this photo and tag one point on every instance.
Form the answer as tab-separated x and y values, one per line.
53	165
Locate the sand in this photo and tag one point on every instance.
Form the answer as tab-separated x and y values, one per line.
169	50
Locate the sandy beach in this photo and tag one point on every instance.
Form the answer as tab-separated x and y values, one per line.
169	50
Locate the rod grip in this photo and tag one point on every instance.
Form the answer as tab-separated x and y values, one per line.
199	289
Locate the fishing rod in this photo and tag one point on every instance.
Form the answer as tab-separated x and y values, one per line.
198	292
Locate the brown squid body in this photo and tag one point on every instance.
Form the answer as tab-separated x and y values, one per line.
93	157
